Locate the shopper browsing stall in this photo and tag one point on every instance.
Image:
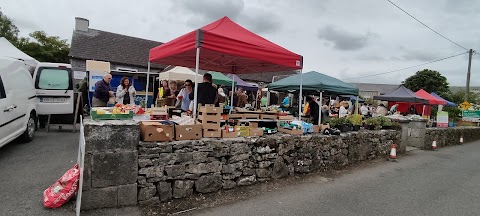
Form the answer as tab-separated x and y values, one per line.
126	92
184	94
103	92
314	109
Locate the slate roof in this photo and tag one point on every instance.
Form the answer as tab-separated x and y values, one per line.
381	88
112	47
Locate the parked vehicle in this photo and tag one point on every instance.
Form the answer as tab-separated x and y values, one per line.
54	85
18	114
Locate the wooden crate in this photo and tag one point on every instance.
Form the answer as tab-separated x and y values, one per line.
212	133
268	116
251	116
290	131
210	117
287	117
234	116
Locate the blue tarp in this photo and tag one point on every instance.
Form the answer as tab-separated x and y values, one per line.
449	104
353	98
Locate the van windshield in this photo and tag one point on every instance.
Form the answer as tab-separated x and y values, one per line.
53	79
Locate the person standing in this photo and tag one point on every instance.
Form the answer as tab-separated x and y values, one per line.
314	109
364	110
83	88
343	112
173	89
242	98
126	92
207	94
184	95
103	92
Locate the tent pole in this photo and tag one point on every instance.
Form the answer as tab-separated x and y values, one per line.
233	92
320	109
195	93
148	83
356	106
300	97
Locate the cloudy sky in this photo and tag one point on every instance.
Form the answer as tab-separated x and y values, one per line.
346	39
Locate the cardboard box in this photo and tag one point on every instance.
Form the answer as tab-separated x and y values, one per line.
253	124
244	131
256	132
188	132
212	133
234	134
156	131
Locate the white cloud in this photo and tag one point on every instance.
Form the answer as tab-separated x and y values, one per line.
372	31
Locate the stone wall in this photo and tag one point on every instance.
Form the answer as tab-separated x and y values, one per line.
111	164
450	136
174	170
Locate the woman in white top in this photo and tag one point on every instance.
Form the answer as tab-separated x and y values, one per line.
343	112
126	92
184	94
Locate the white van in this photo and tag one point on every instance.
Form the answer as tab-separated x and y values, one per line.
18	114
54	84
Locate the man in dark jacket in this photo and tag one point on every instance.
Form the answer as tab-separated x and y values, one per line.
207	94
314	109
103	91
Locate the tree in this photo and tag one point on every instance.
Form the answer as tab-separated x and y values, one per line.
459	97
430	81
42	47
45	48
8	29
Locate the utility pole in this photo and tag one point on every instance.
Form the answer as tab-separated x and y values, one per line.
470	53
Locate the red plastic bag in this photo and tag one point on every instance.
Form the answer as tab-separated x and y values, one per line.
63	189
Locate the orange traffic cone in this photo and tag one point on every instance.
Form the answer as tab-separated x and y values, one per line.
393	153
434	145
461	140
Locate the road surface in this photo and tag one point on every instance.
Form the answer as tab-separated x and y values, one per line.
445	182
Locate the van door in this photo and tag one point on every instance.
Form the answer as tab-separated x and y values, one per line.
54	90
8	119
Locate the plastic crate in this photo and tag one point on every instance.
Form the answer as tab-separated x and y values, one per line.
95	116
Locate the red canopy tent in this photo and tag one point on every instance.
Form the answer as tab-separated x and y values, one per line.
432	100
420	108
226	47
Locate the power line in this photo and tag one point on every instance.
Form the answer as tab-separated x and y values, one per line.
426	25
393	71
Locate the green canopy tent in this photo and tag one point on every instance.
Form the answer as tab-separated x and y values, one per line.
220	79
314	82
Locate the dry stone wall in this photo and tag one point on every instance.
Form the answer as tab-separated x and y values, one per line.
450	136
174	170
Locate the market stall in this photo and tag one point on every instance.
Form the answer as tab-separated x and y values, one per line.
178	73
220	79
227	47
314	83
448	103
240	83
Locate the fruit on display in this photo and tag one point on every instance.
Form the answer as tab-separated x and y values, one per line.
101	112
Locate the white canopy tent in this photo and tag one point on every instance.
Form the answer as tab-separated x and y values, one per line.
9	50
179	73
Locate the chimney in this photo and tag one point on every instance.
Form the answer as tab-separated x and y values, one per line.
81	24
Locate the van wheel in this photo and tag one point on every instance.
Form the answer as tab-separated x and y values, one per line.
29	133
